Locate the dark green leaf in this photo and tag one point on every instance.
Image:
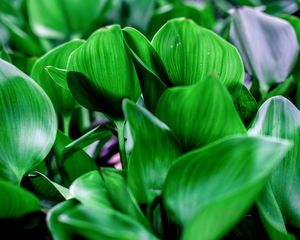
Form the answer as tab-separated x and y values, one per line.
101	74
151	71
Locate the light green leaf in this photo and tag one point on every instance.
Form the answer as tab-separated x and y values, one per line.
101	73
192	53
28	123
154	149
62	19
151	71
220	181
59	76
202	15
69	220
278	117
62	100
199	114
262	41
16	201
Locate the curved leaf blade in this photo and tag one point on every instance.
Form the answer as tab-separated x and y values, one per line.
16	201
199	114
92	76
154	149
195	188
28	123
261	40
62	99
278	117
192	53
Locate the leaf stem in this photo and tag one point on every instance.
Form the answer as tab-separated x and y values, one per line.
120	128
66	123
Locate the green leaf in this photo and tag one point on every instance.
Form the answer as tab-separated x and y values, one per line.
99	133
69	220
108	191
44	188
62	100
202	15
220	181
192	53
151	71
265	56
278	117
16	201
61	19
246	105
73	165
199	114
101	73
59	76
28	123
154	149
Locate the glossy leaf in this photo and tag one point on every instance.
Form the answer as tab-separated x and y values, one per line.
74	165
192	53
108	191
151	71
44	188
196	194
62	100
28	123
154	149
262	42
199	114
202	15
16	201
56	19
101	74
69	220
278	117
59	76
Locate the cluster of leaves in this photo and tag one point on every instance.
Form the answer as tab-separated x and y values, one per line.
207	130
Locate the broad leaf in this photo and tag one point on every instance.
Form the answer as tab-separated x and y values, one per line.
151	71
101	73
154	149
62	100
62	19
278	117
202	15
28	123
192	53
108	191
16	201
44	188
262	41
70	220
59	76
199	114
73	165
209	183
